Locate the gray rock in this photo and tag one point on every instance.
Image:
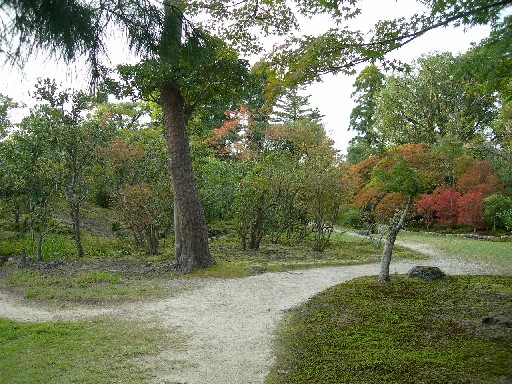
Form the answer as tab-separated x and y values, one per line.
497	320
426	273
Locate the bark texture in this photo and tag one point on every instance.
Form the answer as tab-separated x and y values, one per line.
394	229
193	251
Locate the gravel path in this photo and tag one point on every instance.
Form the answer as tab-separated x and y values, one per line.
228	324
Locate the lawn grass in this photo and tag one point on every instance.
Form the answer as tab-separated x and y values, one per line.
496	254
94	286
232	261
455	330
98	351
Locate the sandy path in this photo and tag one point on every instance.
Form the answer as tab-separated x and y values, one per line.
229	323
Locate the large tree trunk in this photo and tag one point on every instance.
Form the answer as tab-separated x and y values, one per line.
394	229
177	235
193	236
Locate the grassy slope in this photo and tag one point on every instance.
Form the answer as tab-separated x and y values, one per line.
408	331
93	286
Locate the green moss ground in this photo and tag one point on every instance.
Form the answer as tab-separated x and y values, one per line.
407	331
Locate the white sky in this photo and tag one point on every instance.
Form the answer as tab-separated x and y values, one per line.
332	96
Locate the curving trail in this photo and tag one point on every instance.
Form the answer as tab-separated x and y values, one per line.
228	324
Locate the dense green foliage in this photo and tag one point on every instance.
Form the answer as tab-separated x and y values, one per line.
193	71
407	331
305	59
74	150
278	182
431	102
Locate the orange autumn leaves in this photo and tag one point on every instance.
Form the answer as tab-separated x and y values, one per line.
439	199
232	137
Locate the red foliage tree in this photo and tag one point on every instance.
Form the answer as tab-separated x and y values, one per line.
368	197
366	200
426	208
360	174
233	136
123	158
470	211
446	206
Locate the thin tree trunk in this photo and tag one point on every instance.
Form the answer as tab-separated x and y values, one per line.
243	237
287	221
243	241
319	244
39	252
17	217
23	257
394	229
138	238
193	235
257	229
152	239
385	260
75	217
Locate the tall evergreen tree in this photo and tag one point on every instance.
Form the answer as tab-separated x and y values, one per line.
362	118
292	107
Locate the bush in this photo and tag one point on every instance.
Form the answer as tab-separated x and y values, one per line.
351	217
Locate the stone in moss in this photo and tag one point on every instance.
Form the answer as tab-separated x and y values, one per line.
426	273
257	270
